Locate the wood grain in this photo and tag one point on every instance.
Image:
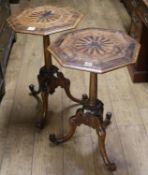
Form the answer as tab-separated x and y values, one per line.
95	50
44	20
126	145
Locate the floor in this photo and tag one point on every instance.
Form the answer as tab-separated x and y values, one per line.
24	150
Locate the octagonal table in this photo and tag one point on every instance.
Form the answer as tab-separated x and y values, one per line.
46	20
96	51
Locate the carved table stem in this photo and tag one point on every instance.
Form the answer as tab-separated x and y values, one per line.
47	54
93	89
91	114
49	79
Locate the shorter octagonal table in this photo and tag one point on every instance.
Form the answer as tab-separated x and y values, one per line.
46	20
96	51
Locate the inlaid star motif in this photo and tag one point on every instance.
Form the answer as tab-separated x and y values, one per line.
44	16
92	44
45	20
95	50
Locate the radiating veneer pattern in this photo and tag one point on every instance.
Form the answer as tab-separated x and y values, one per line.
45	20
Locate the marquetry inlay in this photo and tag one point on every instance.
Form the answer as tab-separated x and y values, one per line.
96	50
45	20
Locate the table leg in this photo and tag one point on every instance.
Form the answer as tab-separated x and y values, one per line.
49	79
91	114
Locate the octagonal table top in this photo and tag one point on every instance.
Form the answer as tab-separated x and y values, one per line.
45	20
95	50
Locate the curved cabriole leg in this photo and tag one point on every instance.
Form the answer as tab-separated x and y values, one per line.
65	138
107	120
102	135
33	91
68	93
65	83
42	120
41	80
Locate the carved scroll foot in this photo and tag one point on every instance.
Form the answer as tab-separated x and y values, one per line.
65	138
107	120
34	92
42	82
88	117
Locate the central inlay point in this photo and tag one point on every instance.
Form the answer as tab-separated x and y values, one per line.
93	44
46	14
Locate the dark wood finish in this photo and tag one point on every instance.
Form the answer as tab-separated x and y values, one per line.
139	30
91	114
104	50
14	1
45	20
7	37
47	55
49	79
93	89
108	50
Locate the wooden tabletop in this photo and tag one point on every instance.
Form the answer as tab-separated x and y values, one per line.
45	20
95	50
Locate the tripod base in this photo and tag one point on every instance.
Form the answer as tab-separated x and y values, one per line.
91	116
49	79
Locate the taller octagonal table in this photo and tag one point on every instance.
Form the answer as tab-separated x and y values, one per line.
46	20
96	51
